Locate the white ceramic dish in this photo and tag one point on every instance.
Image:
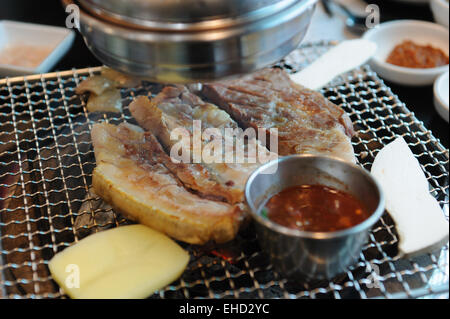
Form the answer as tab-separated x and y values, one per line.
440	9
388	35
441	98
58	40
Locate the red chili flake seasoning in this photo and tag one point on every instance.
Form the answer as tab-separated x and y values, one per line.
315	208
411	55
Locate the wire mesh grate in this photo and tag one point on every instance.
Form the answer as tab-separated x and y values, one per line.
46	204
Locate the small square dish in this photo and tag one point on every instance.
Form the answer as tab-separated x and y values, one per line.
27	48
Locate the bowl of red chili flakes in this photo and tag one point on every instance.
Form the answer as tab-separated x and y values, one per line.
410	52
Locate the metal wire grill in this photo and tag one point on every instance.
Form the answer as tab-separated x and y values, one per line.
46	162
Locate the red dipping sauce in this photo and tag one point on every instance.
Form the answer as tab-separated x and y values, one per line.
315	208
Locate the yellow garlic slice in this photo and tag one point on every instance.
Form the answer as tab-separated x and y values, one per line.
125	262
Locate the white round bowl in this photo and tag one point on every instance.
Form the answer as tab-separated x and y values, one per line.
441	89
440	9
388	35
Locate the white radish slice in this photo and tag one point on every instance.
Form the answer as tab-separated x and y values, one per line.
342	58
420	221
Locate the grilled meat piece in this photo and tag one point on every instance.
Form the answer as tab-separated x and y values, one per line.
306	121
176	107
132	175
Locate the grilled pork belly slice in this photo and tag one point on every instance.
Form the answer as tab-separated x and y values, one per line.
132	176
306	121
176	107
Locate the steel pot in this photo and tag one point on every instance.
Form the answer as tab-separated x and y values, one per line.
183	41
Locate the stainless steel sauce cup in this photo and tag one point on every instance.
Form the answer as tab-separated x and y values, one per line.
304	254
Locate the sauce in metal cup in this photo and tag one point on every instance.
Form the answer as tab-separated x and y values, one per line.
307	254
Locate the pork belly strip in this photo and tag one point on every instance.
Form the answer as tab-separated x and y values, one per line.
132	176
306	121
176	107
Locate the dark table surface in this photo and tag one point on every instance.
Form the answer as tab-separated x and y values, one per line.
418	100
